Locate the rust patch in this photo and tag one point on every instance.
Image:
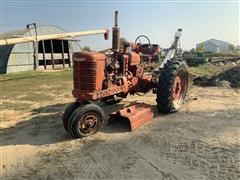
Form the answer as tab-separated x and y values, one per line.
137	114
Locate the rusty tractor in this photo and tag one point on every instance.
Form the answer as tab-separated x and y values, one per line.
98	77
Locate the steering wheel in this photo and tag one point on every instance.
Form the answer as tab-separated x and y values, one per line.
142	36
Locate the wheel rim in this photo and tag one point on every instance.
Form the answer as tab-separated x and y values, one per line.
178	91
88	124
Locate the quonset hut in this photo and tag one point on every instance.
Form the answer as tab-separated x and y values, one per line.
51	54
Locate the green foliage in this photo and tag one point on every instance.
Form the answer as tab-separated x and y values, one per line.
231	47
237	52
66	73
86	48
200	48
206	70
192	50
122	41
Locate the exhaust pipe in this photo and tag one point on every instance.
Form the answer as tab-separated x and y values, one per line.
116	35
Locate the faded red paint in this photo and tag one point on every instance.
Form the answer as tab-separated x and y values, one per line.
177	89
137	114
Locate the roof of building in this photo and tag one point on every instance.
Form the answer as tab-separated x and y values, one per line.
13	34
215	42
41	29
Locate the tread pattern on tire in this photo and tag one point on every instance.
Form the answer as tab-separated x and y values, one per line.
165	85
75	117
68	112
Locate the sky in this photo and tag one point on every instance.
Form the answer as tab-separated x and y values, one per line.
200	20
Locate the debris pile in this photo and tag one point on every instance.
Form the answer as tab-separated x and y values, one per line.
229	77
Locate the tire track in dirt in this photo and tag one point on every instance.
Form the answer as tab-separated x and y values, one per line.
199	142
214	162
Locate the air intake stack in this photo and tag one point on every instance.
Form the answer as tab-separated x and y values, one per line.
116	35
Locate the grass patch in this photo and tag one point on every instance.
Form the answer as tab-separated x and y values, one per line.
206	70
66	73
35	86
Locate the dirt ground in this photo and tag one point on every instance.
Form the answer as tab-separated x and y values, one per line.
201	141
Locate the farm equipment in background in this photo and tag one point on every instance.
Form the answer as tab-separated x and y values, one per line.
97	77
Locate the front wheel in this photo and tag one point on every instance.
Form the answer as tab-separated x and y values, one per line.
85	121
68	112
172	86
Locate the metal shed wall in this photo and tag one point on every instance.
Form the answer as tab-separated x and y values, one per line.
20	57
214	45
5	52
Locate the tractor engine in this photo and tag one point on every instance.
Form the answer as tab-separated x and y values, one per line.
96	76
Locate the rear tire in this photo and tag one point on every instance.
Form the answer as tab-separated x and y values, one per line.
172	86
68	112
85	121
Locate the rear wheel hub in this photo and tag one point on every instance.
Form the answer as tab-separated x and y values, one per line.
178	90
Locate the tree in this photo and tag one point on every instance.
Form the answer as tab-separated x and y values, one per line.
86	48
200	48
231	47
192	50
122	41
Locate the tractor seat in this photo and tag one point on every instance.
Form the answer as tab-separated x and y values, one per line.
149	50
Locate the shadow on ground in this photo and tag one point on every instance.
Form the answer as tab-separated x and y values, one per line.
178	142
45	126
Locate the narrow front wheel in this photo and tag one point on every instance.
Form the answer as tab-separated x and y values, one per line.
68	112
85	121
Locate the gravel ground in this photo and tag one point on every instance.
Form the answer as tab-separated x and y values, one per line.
201	141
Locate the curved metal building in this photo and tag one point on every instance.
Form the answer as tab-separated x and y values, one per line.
50	54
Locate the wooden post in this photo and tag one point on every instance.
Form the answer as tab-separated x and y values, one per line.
35	54
69	54
52	54
44	57
63	59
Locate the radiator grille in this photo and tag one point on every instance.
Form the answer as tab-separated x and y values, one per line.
85	75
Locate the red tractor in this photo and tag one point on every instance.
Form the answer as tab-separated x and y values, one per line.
109	79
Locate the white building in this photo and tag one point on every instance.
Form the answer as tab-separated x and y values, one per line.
214	45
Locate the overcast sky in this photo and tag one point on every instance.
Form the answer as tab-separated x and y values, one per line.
200	20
